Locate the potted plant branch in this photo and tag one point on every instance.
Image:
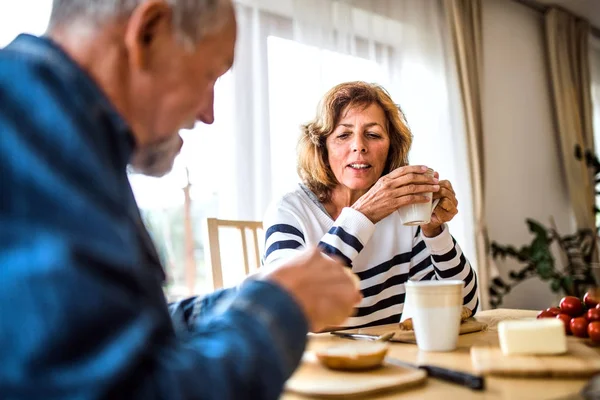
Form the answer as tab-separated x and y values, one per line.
573	275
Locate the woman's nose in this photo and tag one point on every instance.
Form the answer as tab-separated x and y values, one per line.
359	146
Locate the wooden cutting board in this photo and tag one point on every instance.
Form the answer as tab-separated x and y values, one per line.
469	326
313	379
580	361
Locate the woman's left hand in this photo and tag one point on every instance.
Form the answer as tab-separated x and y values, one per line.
446	209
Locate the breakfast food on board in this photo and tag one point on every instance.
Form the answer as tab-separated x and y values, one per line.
353	356
580	318
407	324
535	337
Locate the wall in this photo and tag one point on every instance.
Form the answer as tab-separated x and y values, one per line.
523	171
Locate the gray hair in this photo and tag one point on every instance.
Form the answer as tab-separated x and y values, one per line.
192	19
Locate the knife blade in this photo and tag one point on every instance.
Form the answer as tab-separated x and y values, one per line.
366	336
471	381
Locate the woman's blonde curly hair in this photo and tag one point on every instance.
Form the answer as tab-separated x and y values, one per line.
313	165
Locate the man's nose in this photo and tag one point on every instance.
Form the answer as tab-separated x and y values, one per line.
206	113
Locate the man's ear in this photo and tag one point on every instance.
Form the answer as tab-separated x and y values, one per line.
149	23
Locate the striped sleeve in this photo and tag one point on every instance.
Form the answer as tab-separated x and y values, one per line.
445	261
285	236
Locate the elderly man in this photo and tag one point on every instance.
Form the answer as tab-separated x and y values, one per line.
82	314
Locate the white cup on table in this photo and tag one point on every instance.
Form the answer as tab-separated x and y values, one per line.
435	310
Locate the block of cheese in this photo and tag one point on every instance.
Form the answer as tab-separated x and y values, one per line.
535	336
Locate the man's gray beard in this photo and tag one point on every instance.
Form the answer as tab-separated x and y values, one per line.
156	159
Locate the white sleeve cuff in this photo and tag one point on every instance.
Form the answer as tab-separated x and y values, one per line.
356	223
440	244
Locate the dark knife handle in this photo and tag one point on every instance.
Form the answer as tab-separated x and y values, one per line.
461	378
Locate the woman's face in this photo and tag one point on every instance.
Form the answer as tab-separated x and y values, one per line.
358	147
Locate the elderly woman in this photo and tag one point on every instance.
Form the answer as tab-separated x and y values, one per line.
352	159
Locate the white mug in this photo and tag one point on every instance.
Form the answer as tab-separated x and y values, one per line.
419	213
436	307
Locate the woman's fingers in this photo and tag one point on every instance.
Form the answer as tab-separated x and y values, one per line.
408	185
408	169
414	189
409	199
446	185
411	179
442	216
447	205
445	192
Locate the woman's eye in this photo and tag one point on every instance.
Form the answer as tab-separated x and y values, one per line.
373	135
343	135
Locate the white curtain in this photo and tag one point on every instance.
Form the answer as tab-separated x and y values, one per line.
289	53
595	82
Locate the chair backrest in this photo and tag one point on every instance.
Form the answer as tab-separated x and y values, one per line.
249	231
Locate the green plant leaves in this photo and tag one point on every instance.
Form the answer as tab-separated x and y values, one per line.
555	286
540	253
579	250
568	283
510	251
537	229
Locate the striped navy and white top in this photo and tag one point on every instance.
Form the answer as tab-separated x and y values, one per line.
383	255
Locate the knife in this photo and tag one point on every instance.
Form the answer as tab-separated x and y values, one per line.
365	336
471	381
449	375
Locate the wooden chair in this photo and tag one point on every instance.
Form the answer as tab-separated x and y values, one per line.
250	251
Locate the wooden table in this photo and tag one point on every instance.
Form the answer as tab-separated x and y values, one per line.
496	388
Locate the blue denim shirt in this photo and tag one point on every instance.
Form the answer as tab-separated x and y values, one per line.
82	312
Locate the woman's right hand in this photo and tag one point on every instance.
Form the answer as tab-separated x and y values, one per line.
403	186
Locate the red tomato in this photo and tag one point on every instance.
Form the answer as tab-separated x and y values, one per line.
553	310
579	327
593	314
593	330
591	298
566	320
571	305
546	314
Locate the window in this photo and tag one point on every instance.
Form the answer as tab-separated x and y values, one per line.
235	167
298	76
208	156
18	17
162	202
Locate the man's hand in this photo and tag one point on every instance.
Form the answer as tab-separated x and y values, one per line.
320	285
